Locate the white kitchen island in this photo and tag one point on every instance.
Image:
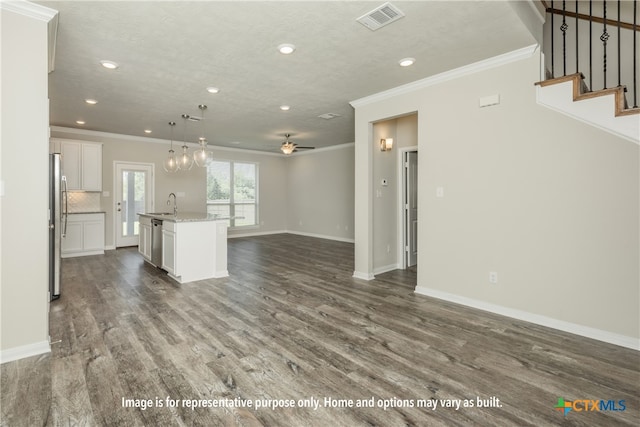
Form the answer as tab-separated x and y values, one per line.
194	245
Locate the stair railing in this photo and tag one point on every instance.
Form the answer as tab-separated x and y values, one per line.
625	36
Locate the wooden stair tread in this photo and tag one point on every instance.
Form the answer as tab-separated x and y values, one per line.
579	95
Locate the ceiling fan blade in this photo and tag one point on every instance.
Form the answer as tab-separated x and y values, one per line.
306	148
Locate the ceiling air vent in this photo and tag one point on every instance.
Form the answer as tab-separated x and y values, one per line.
380	16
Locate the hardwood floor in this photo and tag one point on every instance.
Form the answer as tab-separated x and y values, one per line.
290	323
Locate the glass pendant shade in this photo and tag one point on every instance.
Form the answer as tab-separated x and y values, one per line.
201	154
171	163
185	160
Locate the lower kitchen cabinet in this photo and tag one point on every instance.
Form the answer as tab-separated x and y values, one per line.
169	247
84	235
144	246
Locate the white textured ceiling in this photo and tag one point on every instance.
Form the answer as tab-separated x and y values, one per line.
170	51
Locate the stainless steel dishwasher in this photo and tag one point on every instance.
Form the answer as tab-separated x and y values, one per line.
156	242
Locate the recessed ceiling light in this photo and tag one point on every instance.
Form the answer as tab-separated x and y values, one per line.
236	142
285	107
91	101
80	122
406	62
212	89
286	48
109	64
147	131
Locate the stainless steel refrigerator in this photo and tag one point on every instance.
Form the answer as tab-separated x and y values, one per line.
58	202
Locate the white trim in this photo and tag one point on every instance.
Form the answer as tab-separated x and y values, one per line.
258	233
402	226
106	135
31	10
82	253
573	328
134	138
597	112
23	351
363	276
321	236
109	248
323	149
152	191
485	64
385	269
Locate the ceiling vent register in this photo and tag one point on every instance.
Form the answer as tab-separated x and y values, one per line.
380	16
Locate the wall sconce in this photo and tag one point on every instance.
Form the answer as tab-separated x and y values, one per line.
386	144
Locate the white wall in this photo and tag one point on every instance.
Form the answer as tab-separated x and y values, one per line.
320	193
24	174
549	203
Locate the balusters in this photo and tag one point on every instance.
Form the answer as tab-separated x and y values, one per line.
603	38
553	72
621	23
590	45
635	58
577	47
619	67
564	28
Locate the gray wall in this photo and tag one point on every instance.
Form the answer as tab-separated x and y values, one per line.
320	193
24	172
549	203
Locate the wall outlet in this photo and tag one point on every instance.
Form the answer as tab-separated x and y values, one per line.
493	277
440	192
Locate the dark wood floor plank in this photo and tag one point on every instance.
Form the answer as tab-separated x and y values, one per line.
290	322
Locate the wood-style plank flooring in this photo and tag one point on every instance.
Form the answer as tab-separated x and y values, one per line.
291	324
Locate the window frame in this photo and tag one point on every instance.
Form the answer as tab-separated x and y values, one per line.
231	203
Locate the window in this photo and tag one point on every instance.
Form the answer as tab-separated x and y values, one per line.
231	191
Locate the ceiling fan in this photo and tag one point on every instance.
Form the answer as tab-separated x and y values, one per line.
289	147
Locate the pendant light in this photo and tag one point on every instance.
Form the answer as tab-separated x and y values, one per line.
201	155
185	161
171	163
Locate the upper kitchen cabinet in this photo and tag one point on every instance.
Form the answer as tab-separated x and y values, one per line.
81	164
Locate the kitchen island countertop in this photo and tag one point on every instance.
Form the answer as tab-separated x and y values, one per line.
185	216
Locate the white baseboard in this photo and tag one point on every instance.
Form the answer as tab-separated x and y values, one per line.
573	328
385	268
363	276
254	234
23	351
321	236
110	248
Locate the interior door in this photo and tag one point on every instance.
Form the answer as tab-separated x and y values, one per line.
134	194
411	207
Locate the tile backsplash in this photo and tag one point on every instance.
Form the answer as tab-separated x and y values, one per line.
82	201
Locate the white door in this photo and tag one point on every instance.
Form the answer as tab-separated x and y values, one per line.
411	207
134	194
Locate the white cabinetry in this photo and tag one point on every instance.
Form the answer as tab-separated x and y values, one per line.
84	236
81	164
169	242
144	246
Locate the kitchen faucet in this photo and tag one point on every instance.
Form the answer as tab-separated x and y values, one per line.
175	203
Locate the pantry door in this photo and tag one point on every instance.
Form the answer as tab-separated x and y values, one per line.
133	194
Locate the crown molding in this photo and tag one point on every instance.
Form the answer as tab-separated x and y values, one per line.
485	64
32	10
322	149
61	132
